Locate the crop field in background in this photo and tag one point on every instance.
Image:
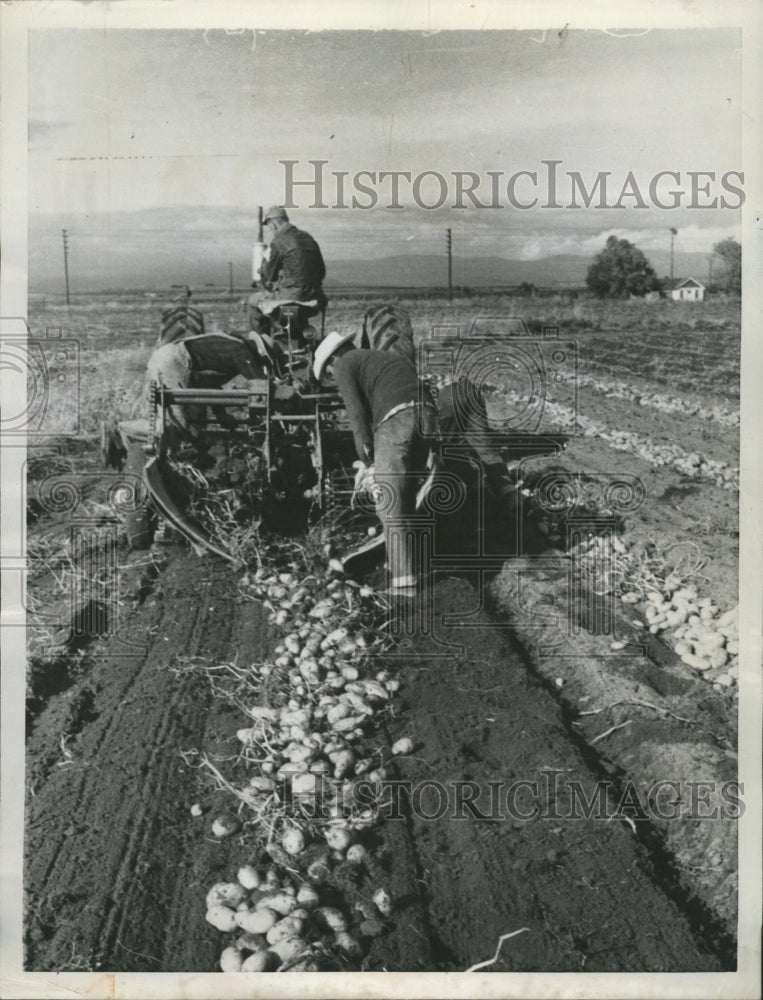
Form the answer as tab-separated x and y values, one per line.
648	396
693	348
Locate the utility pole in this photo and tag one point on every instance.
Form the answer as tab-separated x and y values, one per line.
673	234
449	240
230	277
66	263
710	269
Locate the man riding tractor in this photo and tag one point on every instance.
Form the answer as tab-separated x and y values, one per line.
292	283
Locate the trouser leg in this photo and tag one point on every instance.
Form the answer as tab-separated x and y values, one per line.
399	460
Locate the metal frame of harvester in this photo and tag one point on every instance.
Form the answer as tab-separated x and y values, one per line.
270	412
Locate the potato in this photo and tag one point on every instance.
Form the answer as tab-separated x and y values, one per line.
280	902
293	644
258	961
375	691
307	897
289	769
225	894
225	826
357	703
698	662
257	921
307	783
289	927
248	736
231	960
338	838
249	877
331	917
222	918
278	854
335	637
402	747
356	854
363	765
299	753
718	658
262	783
288	948
251	942
343	761
348	944
323	608
338	711
365	819
318	871
383	902
293	842
350	722
295	717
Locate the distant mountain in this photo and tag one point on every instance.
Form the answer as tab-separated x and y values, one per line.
404	271
432	270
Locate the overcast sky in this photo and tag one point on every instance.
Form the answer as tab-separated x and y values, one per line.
146	144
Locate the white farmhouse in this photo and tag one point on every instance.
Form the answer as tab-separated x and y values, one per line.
688	290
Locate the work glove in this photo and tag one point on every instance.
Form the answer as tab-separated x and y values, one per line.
364	482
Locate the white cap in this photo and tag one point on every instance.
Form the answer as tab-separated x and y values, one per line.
331	343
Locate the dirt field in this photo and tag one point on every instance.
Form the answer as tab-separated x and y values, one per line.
117	868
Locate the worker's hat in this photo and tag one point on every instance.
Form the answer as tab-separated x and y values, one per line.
275	212
328	346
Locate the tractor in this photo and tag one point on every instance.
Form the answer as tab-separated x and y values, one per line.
277	438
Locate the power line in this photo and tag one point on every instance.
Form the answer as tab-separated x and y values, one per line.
449	239
66	263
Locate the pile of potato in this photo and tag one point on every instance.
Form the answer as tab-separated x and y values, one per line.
308	767
658	401
693	464
277	922
704	637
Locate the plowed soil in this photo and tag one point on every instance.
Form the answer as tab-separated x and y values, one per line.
116	865
117	868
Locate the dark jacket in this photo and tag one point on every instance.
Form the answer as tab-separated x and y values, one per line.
295	267
371	384
224	354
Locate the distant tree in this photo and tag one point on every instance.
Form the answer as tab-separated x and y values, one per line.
730	277
620	270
